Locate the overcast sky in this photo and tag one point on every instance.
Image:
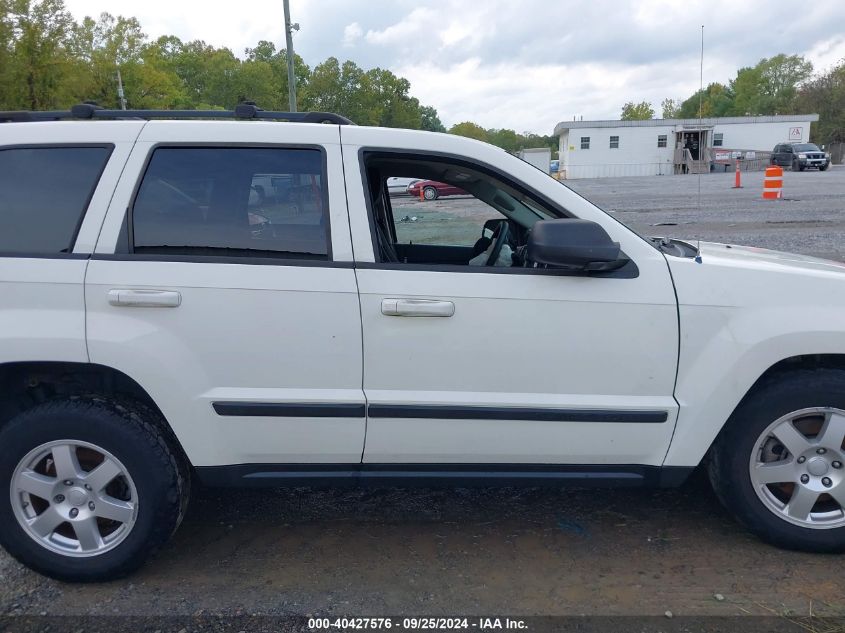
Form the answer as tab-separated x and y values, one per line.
520	64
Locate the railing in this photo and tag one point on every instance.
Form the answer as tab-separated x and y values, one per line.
748	159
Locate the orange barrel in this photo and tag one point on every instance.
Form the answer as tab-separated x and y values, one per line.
773	183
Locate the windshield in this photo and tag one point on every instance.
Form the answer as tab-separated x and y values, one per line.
806	147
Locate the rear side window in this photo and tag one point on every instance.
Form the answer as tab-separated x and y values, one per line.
44	192
241	202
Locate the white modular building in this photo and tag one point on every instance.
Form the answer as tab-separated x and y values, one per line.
596	149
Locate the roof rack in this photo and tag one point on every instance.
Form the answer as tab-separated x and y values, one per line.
246	110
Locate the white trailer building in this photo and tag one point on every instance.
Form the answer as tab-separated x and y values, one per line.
596	149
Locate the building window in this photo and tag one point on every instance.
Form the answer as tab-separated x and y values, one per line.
661	140
717	139
614	142
585	142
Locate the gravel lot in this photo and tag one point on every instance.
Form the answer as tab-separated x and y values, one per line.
503	551
810	219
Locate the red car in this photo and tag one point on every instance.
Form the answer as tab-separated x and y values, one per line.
432	189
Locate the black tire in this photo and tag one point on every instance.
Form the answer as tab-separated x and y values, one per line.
822	167
730	455
430	193
131	433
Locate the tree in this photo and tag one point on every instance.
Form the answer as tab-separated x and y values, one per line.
49	61
671	108
825	95
470	130
38	59
637	111
769	87
430	121
715	100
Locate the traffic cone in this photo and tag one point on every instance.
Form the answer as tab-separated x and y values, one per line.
737	177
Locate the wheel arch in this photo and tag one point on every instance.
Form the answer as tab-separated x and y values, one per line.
817	361
26	384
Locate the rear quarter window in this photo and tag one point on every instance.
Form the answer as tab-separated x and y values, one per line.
44	193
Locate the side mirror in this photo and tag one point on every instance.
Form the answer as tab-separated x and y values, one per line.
573	243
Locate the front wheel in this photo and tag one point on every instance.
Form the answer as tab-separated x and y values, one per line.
89	488
822	167
778	463
430	193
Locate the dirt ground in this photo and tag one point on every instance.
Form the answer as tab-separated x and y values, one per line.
496	551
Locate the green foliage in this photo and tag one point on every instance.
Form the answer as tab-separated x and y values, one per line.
506	139
637	111
430	121
37	57
49	61
671	108
470	130
769	87
715	100
825	95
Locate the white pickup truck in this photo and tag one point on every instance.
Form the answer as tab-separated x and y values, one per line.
239	302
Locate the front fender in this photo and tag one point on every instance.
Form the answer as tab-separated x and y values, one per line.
736	322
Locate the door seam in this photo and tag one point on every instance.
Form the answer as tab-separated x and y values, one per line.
357	291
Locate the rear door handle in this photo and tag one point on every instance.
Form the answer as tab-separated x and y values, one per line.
417	307
132	298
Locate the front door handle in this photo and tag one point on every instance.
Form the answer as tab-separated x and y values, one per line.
135	298
417	307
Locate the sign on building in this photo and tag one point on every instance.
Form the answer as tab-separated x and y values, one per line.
796	133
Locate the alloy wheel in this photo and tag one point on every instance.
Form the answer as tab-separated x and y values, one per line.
797	471
74	498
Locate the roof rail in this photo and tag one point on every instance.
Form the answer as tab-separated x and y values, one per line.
245	111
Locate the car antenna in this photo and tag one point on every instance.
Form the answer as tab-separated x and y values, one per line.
700	133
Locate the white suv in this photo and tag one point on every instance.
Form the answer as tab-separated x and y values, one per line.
242	302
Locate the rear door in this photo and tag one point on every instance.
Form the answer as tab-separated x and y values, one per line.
223	284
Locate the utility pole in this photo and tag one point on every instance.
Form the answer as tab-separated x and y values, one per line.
289	29
120	94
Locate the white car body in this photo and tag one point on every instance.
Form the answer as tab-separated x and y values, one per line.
399	186
686	337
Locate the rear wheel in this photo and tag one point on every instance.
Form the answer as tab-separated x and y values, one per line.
430	193
94	488
778	465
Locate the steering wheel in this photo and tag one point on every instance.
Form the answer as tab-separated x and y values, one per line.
500	241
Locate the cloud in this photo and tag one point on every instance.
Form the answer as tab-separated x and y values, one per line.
524	65
351	34
415	24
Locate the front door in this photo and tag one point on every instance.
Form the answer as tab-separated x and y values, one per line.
471	362
227	291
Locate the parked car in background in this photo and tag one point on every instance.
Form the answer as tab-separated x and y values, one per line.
431	189
399	186
800	156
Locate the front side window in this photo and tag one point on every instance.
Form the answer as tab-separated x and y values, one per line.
614	142
449	214
585	142
260	202
44	193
